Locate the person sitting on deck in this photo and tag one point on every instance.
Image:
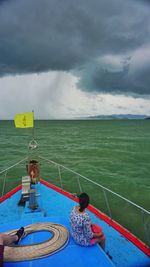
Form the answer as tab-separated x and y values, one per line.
9	240
82	230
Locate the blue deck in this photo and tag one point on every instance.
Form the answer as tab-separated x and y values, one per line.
56	209
71	255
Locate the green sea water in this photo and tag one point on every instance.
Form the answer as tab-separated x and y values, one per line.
114	153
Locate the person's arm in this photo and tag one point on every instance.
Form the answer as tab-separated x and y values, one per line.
87	227
100	234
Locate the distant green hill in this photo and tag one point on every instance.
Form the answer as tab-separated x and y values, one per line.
119	117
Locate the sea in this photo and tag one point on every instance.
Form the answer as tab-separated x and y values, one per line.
113	153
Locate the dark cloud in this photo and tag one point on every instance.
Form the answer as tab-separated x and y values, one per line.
143	1
37	36
128	80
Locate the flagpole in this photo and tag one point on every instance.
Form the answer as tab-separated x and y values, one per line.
33	124
33	144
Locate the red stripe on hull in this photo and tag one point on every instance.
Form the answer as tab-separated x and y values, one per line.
10	193
105	218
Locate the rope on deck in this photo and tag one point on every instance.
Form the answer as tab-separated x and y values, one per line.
59	239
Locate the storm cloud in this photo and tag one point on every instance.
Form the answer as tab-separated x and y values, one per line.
105	43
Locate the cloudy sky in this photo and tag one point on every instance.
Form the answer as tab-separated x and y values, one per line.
67	58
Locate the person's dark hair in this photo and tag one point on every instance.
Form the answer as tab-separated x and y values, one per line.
83	201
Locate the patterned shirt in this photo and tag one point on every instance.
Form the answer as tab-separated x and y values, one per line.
81	227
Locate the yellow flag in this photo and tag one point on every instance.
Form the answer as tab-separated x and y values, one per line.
24	120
